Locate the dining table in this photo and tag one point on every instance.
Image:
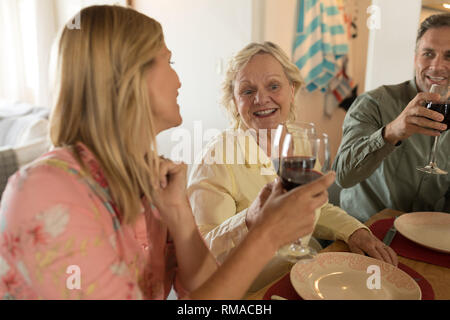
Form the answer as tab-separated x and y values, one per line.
437	276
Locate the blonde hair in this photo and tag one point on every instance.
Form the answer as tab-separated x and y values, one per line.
103	99
240	60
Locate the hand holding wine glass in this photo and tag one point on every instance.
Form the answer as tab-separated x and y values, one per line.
415	119
304	158
442	106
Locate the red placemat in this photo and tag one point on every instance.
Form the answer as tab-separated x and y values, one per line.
284	288
407	248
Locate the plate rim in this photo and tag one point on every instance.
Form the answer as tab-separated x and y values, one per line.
419	290
426	245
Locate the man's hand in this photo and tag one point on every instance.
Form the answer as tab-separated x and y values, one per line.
415	118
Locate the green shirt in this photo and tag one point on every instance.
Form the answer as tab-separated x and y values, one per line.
375	174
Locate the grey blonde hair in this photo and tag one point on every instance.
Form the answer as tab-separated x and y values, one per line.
240	60
103	99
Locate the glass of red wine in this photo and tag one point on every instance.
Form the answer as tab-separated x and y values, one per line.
305	157
306	128
442	107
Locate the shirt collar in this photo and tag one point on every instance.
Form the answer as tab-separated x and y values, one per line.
413	85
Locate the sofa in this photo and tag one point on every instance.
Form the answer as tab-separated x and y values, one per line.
23	137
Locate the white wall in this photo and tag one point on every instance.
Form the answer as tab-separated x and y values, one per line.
391	48
65	9
202	35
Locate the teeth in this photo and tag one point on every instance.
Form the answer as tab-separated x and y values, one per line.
265	112
436	78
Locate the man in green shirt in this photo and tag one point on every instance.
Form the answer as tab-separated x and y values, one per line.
388	132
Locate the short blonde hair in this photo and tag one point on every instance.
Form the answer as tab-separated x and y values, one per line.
103	99
240	60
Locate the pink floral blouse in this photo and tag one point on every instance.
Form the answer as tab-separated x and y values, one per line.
61	237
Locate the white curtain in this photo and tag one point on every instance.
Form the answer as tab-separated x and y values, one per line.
12	62
27	29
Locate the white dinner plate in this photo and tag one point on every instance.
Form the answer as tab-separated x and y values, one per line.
345	276
429	229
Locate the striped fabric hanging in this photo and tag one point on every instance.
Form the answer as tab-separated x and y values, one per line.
320	42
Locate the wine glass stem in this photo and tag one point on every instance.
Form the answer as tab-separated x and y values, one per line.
433	152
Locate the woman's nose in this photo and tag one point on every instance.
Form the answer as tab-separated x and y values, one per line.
261	97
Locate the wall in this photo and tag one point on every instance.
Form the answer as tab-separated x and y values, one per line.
65	10
426	12
391	48
202	35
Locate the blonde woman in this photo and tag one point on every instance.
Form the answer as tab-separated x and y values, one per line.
102	216
259	93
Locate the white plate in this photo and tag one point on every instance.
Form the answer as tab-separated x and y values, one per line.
344	276
429	229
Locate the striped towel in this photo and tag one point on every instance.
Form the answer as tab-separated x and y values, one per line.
320	42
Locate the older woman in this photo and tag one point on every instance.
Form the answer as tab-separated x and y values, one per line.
103	217
259	93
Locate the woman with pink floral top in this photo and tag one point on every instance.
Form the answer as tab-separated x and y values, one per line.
102	216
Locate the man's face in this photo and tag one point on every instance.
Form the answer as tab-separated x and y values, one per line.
432	58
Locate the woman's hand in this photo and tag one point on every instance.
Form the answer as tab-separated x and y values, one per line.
287	216
170	195
255	208
195	262
362	241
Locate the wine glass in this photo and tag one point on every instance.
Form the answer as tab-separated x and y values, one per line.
442	107
306	128
304	158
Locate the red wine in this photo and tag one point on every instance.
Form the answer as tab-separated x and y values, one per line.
442	108
296	171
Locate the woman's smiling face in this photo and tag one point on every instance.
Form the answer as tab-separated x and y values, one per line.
262	93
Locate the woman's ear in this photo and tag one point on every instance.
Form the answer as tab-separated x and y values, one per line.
292	92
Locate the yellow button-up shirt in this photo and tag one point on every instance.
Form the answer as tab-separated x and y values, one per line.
224	182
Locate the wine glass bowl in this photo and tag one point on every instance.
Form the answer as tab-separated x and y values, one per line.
295	127
442	108
304	158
